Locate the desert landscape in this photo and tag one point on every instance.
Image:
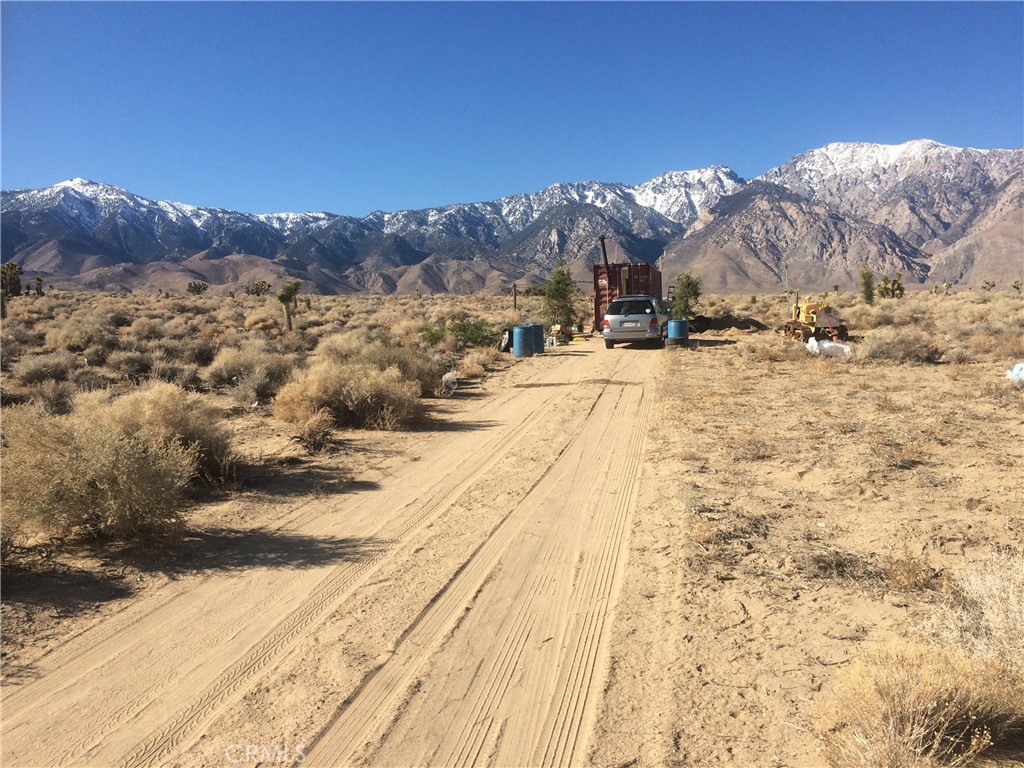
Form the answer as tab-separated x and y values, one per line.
228	543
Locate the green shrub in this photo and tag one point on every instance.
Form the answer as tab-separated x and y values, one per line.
474	333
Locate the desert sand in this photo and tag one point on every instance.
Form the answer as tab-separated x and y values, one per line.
628	557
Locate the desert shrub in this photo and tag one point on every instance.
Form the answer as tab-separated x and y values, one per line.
9	347
89	379
166	369
232	364
900	345
356	395
918	706
65	476
265	318
199	352
423	366
80	332
54	397
171	414
129	363
958	355
52	366
985	610
315	434
146	329
474	332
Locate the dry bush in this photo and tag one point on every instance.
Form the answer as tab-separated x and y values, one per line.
356	395
54	397
905	345
985	610
909	574
266	318
423	366
146	329
170	414
131	364
316	432
52	366
79	332
64	475
725	535
251	366
827	561
918	706
165	368
896	450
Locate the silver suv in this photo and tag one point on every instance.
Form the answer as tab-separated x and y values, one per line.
635	318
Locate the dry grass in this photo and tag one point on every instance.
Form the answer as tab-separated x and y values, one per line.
985	610
918	706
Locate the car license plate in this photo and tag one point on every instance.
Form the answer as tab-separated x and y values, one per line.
630	324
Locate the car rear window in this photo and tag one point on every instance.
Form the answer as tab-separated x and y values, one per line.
635	307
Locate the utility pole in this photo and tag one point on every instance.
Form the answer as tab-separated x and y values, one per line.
515	297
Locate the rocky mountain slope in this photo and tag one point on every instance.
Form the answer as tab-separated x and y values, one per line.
926	210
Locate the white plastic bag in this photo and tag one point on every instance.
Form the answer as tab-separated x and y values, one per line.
1016	374
827	348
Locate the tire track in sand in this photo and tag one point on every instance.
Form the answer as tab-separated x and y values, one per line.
503	665
118	644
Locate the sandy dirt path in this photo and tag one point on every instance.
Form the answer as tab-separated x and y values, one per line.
455	610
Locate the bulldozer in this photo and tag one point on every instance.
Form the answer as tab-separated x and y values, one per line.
814	319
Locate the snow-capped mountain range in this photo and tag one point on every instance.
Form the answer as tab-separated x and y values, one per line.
929	211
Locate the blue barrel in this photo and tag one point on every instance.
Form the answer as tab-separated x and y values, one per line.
678	333
522	341
538	337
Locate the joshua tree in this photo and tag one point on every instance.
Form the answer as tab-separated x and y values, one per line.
197	287
258	288
10	279
288	297
1016	285
988	285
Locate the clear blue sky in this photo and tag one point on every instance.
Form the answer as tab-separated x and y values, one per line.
352	107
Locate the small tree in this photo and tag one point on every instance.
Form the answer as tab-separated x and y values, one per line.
197	287
1016	285
988	285
559	293
867	285
685	296
287	296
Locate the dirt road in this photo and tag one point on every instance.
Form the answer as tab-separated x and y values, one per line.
452	608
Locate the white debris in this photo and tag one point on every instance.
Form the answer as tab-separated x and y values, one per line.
827	348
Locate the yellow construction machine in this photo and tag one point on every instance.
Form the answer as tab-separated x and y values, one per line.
814	319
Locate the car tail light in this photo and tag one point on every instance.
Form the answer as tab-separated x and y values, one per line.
605	323
654	322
